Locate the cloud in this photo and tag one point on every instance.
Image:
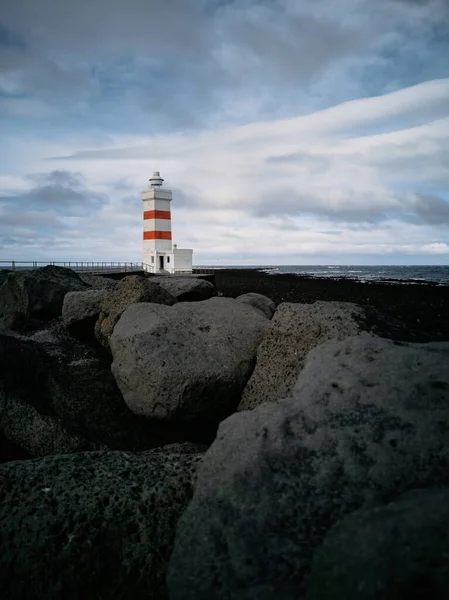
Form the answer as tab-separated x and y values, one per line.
63	191
315	164
195	63
432	210
44	214
285	128
437	248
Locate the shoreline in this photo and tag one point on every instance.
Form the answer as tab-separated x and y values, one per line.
423	309
386	280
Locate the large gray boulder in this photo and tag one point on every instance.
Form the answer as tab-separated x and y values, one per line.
57	396
80	311
129	290
188	362
366	422
91	525
396	551
186	289
295	330
260	302
39	292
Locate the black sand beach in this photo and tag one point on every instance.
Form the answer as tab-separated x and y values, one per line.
423	309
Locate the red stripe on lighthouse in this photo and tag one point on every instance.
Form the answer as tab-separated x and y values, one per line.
157	214
157	235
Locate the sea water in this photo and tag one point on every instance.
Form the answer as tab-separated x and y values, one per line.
396	274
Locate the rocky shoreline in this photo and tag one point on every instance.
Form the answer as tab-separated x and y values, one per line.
167	438
421	308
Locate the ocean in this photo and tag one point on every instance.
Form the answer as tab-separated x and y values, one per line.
418	274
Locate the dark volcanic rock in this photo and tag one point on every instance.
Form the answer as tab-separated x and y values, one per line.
11	451
38	292
98	282
91	525
38	412
422	310
17	321
58	395
3	275
396	551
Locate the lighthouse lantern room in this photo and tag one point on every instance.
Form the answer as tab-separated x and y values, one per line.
159	254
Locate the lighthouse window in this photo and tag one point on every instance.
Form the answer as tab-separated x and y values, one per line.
152	259
168	259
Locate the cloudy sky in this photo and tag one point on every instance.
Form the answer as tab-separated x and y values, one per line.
291	131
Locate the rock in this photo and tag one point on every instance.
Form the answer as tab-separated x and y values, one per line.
11	451
80	312
260	302
57	396
97	281
367	421
91	525
130	290
186	289
266	591
188	362
182	448
4	275
16	321
295	329
37	434
396	551
39	292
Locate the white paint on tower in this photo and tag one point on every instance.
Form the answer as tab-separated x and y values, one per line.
159	254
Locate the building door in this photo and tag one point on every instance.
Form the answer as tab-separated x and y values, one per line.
161	262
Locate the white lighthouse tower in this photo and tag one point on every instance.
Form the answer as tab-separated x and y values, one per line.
159	254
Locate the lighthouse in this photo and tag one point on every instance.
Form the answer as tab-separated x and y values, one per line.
160	255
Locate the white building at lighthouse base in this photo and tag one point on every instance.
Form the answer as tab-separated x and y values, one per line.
159	254
178	260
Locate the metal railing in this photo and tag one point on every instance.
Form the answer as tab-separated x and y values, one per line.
78	266
93	266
